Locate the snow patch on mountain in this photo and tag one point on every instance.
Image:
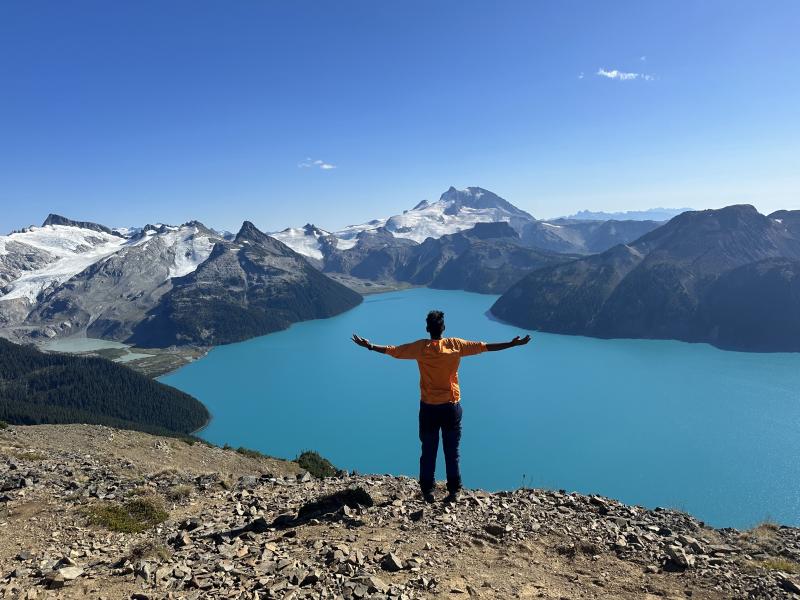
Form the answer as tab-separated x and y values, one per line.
190	252
70	249
48	256
191	244
348	237
305	240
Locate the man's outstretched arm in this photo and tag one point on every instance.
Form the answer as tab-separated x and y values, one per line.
364	343
517	341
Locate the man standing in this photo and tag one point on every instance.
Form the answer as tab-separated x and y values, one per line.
440	408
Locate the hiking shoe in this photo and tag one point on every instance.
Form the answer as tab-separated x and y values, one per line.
428	497
451	498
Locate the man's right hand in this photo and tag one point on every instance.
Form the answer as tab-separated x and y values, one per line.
518	341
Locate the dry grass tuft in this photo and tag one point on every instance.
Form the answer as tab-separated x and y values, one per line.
149	549
27	454
178	493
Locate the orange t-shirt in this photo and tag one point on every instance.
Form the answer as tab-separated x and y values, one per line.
438	365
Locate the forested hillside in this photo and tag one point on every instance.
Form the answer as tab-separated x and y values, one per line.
37	387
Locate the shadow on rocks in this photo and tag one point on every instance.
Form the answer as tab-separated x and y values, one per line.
331	507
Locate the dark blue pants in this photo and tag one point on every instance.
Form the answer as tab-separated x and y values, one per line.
432	419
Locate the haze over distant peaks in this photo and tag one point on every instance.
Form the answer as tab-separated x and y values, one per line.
650	214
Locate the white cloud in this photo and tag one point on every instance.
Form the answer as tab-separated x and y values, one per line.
580	75
310	163
643	58
623	75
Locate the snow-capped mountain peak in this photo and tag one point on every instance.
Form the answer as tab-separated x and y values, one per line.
456	210
479	199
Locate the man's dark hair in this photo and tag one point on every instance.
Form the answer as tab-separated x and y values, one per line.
435	321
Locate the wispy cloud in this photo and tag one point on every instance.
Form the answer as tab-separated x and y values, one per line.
310	163
623	75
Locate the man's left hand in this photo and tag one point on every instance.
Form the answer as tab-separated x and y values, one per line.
364	343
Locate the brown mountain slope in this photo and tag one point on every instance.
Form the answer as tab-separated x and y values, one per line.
218	524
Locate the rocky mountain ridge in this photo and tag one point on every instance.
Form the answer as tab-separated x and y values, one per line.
460	210
205	522
250	286
724	276
116	287
487	258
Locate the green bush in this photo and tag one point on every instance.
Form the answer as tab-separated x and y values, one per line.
133	516
250	452
317	465
3	425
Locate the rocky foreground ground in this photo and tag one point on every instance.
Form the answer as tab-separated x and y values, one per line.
93	512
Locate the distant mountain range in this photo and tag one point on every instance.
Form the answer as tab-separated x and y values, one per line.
696	277
487	258
159	285
163	285
651	214
457	211
729	277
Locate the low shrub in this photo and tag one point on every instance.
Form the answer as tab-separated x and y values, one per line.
135	515
251	453
139	490
317	465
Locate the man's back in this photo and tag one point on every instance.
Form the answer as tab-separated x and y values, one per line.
440	409
438	362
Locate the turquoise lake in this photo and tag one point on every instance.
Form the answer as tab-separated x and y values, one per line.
656	423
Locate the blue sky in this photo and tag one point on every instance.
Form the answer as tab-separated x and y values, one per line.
127	113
